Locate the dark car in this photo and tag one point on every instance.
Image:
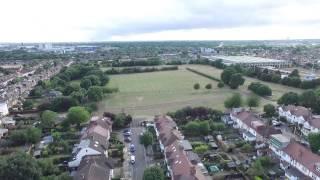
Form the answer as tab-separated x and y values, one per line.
132	149
127	139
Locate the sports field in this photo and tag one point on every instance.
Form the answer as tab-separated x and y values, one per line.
160	92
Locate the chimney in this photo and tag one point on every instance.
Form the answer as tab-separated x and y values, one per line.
193	170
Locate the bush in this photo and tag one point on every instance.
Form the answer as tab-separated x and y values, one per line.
220	84
260	89
201	149
208	86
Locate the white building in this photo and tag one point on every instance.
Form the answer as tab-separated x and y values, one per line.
3	108
295	155
295	114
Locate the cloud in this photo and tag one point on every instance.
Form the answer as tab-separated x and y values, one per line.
97	20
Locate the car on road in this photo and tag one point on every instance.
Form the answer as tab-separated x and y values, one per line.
132	148
132	159
127	139
126	132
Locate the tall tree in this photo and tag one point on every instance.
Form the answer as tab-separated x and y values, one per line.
253	101
269	109
236	80
153	173
77	115
314	141
95	93
234	101
48	119
146	139
226	74
19	166
289	98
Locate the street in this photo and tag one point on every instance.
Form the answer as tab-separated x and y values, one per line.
141	160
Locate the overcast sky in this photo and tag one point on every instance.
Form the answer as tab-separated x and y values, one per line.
134	20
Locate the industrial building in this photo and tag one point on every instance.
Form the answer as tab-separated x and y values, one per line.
250	61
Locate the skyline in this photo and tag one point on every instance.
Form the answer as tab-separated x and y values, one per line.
166	20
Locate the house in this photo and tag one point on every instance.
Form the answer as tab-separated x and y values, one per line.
294	156
95	167
311	126
3	108
94	141
3	132
181	161
8	122
252	127
227	120
295	114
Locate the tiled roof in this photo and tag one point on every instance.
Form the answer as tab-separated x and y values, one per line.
94	168
303	155
299	111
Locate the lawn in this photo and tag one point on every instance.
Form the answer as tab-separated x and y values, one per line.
160	92
277	89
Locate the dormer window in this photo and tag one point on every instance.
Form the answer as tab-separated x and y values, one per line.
317	166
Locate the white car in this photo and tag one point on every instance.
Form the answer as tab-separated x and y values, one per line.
132	159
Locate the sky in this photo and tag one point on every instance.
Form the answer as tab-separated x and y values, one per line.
152	20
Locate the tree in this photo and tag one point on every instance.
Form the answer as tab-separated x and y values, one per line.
85	83
253	101
192	128
77	115
308	99
236	80
153	173
27	104
95	93
19	166
314	141
294	73
196	86
234	101
269	109
48	119
208	86
119	120
203	127
79	96
62	104
220	84
95	80
226	74
260	89
146	139
289	98
33	135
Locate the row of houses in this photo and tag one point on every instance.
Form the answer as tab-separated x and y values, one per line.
302	116
298	161
90	157
181	162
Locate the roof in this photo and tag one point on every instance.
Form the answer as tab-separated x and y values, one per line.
186	145
298	111
315	122
303	155
94	168
247	59
281	138
254	122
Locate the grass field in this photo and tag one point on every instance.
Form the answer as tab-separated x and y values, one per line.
160	92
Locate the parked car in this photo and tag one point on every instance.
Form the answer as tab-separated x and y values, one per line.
132	159
276	123
132	148
127	132
127	139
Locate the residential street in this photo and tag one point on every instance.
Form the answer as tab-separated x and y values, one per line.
135	171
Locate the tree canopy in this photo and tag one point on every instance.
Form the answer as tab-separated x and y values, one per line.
153	173
234	101
77	115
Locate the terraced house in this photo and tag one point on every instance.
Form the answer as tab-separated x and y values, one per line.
171	141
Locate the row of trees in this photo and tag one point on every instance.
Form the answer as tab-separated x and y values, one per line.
149	62
139	70
260	89
236	101
309	99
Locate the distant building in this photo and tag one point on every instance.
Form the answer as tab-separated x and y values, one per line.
250	61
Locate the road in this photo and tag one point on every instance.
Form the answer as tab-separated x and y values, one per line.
136	170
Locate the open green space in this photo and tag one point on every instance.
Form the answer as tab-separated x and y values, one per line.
277	89
160	92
